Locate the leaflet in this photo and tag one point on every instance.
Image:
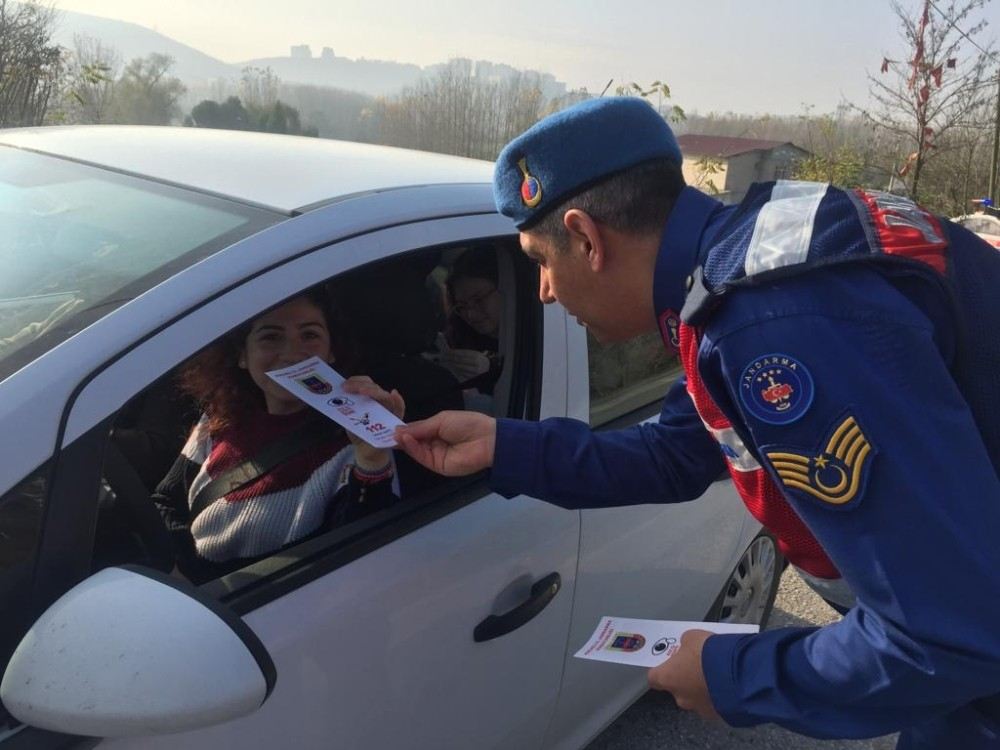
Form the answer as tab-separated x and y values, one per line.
645	643
320	386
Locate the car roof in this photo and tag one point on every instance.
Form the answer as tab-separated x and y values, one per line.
976	217
282	172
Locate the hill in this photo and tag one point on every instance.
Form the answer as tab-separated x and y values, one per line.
198	70
132	40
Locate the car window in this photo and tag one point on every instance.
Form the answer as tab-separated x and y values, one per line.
75	241
628	375
394	321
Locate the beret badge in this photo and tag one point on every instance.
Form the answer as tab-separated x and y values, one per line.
531	188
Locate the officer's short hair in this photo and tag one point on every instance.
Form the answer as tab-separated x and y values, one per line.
636	200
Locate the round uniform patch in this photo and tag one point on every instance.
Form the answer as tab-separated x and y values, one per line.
776	389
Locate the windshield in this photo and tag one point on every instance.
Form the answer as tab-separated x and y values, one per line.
77	241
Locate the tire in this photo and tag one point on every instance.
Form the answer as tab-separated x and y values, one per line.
748	596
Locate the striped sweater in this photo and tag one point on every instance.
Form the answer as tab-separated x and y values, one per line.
313	490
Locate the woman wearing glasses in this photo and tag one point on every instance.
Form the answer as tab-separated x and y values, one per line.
474	324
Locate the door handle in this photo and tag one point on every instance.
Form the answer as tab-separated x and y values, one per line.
543	591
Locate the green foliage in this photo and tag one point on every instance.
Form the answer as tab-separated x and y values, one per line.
332	113
277	117
145	94
89	83
704	170
843	167
229	115
660	91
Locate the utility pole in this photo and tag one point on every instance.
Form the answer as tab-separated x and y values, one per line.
996	148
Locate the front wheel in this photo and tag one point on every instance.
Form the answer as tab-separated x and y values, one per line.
748	596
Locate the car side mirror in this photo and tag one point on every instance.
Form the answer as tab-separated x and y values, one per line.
131	651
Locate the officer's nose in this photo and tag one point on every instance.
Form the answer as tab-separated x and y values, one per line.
544	288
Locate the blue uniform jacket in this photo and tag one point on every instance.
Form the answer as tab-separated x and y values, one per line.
883	346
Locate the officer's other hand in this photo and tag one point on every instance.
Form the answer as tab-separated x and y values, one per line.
452	443
682	676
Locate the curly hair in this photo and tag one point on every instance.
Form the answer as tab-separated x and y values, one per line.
225	392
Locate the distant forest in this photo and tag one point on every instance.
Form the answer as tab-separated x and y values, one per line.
928	129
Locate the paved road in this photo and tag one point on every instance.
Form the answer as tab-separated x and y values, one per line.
654	723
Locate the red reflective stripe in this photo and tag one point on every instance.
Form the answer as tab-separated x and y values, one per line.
760	495
898	222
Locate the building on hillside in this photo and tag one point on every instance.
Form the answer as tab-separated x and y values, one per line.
301	52
725	167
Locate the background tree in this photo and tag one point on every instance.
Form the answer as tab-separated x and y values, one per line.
145	94
229	115
30	64
92	69
281	118
258	87
232	115
837	154
657	94
460	112
935	90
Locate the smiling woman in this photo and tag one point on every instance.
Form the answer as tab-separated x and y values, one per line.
260	470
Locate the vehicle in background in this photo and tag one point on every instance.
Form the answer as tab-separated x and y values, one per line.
986	226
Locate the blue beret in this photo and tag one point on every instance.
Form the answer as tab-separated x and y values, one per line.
570	150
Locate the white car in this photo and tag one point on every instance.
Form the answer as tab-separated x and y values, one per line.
447	621
986	226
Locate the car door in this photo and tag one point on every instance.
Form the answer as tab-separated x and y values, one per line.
372	628
644	561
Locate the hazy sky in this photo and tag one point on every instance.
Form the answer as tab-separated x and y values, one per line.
741	55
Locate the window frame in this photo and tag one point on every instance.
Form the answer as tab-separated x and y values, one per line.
65	552
638	398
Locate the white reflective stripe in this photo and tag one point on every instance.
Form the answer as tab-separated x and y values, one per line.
784	226
735	451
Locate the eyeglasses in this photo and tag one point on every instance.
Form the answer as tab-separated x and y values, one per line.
477	301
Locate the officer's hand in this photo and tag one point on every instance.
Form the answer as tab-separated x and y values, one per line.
453	443
682	676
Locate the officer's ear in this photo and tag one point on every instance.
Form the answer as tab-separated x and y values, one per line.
585	238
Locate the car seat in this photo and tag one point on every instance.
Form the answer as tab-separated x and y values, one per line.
393	319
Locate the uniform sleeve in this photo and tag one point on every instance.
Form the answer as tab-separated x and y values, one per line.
854	414
565	463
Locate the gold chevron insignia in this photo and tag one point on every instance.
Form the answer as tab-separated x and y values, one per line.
835	475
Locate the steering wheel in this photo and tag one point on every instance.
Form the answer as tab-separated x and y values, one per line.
133	510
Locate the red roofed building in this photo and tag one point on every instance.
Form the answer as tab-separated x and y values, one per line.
725	167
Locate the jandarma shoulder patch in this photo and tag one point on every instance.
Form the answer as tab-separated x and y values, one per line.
835	471
776	389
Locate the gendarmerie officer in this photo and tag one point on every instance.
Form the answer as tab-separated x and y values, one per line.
842	362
